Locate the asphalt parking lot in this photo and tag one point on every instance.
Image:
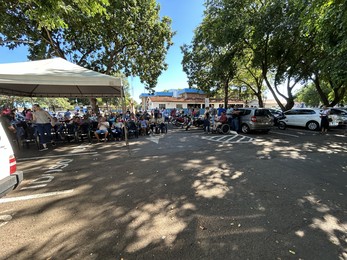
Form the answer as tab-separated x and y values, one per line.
183	195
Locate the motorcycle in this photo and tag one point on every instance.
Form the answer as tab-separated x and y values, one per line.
278	121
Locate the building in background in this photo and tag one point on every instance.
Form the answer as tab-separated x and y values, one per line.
181	99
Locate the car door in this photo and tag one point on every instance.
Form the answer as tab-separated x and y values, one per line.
5	151
292	117
264	117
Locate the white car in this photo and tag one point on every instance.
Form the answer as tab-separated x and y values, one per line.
340	114
9	176
307	117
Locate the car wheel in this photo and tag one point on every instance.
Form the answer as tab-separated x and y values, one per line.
245	128
282	125
312	125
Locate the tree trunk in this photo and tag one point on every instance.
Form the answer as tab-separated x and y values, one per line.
226	93
94	105
260	99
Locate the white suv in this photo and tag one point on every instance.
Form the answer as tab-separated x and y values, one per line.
9	176
306	117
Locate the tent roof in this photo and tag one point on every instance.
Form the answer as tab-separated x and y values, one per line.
55	78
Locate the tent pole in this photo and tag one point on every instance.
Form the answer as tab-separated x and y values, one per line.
124	111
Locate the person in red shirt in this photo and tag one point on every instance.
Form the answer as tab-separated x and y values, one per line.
222	120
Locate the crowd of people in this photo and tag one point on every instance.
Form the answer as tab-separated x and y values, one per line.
51	127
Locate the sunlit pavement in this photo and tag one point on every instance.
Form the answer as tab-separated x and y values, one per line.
183	195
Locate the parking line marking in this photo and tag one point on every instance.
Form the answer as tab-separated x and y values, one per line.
54	156
229	139
35	196
280	133
243	137
218	139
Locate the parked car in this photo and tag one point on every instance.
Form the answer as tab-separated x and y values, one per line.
255	119
275	112
9	176
340	115
306	117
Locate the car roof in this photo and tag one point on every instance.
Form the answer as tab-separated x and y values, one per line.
253	108
305	108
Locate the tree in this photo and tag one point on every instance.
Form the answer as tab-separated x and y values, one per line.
280	37
49	103
309	95
108	37
210	64
250	77
326	21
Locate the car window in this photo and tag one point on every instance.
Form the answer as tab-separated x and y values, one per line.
244	112
337	112
307	112
262	112
292	112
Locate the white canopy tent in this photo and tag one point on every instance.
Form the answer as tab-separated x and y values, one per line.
56	78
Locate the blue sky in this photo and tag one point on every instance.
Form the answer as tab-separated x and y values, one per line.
185	15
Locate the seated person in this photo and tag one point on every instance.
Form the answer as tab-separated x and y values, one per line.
117	129
152	123
57	127
143	125
5	120
29	115
102	128
222	120
161	123
85	124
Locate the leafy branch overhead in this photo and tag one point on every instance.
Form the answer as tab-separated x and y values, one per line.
280	44
107	36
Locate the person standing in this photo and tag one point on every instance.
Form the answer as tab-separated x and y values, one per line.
43	121
213	113
235	119
220	109
324	124
230	114
207	120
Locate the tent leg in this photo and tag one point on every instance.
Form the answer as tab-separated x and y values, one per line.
124	111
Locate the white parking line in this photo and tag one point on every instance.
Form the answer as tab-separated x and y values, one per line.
54	156
281	133
229	139
243	138
219	139
35	196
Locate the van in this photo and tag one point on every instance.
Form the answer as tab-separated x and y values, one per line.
9	176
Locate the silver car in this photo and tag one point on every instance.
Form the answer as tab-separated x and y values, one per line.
255	119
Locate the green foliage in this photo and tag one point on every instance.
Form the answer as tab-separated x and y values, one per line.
49	103
105	36
210	60
309	95
276	42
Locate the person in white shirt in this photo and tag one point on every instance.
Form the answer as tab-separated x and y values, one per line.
44	122
102	128
324	115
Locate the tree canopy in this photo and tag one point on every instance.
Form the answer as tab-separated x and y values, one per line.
279	43
107	36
